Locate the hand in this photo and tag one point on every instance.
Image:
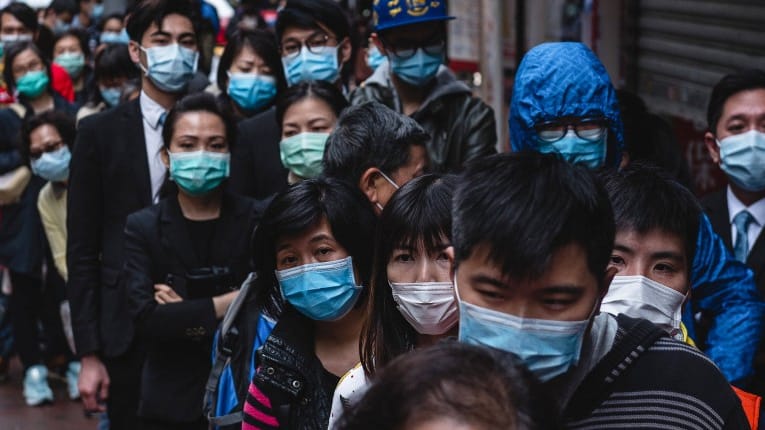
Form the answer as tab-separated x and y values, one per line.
93	384
222	302
164	294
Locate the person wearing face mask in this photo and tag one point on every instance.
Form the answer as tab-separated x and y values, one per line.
376	150
563	102
314	262
736	142
308	113
163	47
112	30
411	301
185	256
59	16
250	73
71	51
412	35
656	228
532	238
113	70
314	45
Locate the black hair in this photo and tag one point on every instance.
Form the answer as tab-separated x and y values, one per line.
418	213
102	23
80	35
113	61
321	90
750	79
524	206
59	6
199	102
13	51
24	14
264	45
301	207
482	387
645	198
370	135
62	122
150	12
313	14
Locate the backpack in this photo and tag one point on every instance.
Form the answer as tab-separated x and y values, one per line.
244	329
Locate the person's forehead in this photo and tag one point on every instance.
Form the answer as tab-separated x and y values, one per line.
302	33
655	240
7	19
174	24
743	102
412	31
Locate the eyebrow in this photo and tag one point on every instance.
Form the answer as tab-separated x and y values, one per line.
564	289
667	255
623	248
320	237
485	279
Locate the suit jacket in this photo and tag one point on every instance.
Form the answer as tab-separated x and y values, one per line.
256	165
177	337
109	179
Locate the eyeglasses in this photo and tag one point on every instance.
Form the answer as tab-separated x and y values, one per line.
591	129
434	45
314	43
49	147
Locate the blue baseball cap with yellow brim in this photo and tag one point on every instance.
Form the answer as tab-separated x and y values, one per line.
398	13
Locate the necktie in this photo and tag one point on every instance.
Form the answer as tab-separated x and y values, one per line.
162	118
741	247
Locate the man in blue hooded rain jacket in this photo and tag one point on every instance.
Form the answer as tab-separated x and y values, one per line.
561	99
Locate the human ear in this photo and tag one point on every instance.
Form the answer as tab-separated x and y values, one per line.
711	143
450	255
165	157
367	184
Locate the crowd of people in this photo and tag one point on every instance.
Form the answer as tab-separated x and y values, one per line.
288	247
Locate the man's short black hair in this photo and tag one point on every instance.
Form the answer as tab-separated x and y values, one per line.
524	206
24	14
645	198
370	135
311	13
750	79
150	12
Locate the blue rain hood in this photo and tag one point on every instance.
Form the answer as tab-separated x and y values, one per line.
563	79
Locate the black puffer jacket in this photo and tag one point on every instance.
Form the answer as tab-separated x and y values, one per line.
462	127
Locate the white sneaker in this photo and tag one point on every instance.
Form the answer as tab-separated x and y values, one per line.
36	388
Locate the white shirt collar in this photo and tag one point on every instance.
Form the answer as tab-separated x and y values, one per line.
151	110
735	206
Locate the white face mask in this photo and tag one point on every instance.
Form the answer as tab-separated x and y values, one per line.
640	297
430	307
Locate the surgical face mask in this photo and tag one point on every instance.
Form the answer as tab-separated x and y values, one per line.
640	297
310	66
251	91
199	172
72	62
9	39
320	291
302	153
548	348
390	181
575	150
61	27
115	37
98	11
374	57
33	84
170	67
418	69
429	307
54	165
111	95
742	158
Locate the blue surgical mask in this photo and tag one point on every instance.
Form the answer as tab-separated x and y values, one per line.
98	11
548	348
72	62
575	150
742	158
308	66
111	95
251	91
197	173
115	37
418	69
61	27
170	67
374	57
320	291
54	165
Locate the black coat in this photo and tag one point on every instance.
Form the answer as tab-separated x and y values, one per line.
256	166
177	337
109	179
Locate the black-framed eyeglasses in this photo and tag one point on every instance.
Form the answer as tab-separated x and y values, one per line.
591	129
404	49
315	43
50	147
